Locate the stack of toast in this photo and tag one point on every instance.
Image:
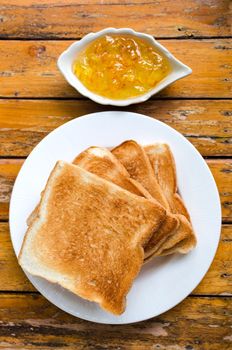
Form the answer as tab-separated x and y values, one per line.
101	217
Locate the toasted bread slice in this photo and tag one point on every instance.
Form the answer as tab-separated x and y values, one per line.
103	163
88	236
164	167
137	163
184	239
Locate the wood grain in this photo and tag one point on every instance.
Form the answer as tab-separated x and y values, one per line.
222	172
218	280
28	69
207	124
12	276
221	169
73	19
31	322
8	172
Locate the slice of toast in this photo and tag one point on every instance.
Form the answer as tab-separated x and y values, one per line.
88	236
137	163
164	167
184	239
103	163
134	159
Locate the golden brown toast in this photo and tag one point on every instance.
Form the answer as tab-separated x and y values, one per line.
137	163
163	164
134	159
88	236
184	239
102	162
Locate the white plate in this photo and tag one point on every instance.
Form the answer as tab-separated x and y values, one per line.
162	283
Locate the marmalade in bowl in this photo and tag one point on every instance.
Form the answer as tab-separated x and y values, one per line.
120	66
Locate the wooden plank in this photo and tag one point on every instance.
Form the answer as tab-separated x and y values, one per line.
218	279
8	172
222	172
12	276
31	322
207	124
221	169
28	69
73	19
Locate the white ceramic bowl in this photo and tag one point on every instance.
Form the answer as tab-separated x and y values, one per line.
66	59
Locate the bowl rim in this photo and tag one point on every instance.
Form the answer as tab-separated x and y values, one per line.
179	69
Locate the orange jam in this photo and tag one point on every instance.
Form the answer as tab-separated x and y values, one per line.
120	66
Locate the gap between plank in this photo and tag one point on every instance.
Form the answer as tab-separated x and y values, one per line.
82	98
184	37
26	292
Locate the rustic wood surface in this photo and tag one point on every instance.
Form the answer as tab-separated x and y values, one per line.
30	69
73	19
207	124
29	321
35	99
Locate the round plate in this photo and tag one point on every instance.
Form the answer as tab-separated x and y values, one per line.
162	283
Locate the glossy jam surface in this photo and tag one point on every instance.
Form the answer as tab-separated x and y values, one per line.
120	66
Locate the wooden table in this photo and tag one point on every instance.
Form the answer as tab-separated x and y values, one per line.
35	99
